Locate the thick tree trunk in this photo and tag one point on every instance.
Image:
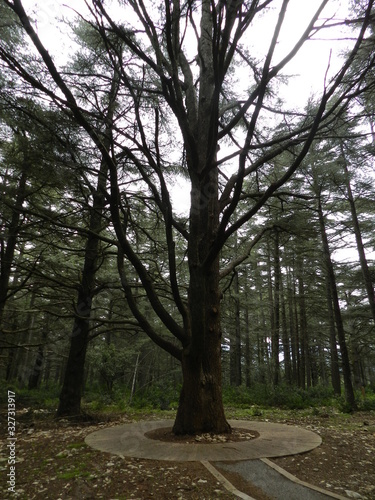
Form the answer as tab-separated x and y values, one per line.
71	392
201	407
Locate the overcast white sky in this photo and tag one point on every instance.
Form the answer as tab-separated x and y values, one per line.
309	65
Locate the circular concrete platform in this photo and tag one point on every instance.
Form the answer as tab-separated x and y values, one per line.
275	440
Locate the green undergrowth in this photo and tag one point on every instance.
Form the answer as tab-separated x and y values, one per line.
158	397
161	401
292	398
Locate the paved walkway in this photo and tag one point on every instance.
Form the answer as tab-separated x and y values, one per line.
249	458
262	474
275	440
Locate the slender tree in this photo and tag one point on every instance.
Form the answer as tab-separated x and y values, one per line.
331	280
368	281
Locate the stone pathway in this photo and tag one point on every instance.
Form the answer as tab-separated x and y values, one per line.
248	458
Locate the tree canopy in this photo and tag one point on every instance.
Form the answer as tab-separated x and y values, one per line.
154	94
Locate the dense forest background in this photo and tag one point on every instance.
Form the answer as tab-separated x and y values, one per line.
297	308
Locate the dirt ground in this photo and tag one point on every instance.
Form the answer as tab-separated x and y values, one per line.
54	463
345	461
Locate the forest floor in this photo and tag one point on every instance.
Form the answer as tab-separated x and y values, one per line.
53	462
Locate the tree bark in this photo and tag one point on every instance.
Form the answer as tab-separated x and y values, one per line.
285	336
292	326
235	344
248	350
72	388
359	241
349	393
335	368
200	406
8	248
302	325
276	310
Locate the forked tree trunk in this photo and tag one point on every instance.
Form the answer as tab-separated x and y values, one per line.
201	407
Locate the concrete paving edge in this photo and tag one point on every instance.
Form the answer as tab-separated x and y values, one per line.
224	481
302	483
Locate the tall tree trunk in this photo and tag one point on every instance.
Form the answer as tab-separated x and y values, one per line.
359	241
285	336
8	248
71	392
276	308
303	366
247	345
349	393
235	343
262	353
292	326
271	309
335	368
200	407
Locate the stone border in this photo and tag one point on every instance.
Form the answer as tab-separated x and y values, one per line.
275	440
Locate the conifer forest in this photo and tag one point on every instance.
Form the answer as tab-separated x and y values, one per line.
176	231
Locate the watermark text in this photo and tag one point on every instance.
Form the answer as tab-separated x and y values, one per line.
11	444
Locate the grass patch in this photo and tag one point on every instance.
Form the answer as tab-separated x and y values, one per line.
76	446
73	474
